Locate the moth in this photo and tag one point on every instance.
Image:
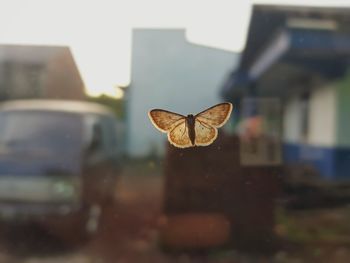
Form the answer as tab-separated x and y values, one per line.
191	130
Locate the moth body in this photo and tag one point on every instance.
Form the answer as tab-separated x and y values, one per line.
190	122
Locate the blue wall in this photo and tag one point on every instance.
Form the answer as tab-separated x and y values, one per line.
332	163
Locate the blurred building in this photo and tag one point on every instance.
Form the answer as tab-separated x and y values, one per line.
170	73
39	72
300	55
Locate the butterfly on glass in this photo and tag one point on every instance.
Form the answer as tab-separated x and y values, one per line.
191	130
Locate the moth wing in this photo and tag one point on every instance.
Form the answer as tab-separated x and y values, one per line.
165	120
205	133
217	115
178	136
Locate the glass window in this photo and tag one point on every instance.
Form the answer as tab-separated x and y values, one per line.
175	131
57	132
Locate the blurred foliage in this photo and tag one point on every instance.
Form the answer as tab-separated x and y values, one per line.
116	105
314	226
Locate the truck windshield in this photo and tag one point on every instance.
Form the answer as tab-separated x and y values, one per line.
34	130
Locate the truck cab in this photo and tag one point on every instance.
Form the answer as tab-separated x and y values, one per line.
59	164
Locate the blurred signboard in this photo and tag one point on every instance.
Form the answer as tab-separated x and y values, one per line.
260	132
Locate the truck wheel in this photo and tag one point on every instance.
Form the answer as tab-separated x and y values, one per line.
79	228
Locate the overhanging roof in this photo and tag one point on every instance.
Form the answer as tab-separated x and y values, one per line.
324	52
319	44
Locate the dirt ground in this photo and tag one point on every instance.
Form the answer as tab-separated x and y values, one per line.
129	233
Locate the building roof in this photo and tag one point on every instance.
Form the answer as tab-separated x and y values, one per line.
79	107
30	53
292	40
36	71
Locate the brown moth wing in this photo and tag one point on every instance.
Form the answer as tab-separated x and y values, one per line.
205	125
165	120
205	134
216	116
178	136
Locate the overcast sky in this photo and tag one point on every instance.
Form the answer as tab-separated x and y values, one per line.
99	32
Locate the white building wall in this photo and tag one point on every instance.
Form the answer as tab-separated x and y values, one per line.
170	73
322	117
292	120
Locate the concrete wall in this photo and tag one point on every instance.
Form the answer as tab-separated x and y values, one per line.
292	121
318	145
322	117
169	72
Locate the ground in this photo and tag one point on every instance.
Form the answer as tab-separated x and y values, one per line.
129	233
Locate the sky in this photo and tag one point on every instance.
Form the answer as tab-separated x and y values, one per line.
99	32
